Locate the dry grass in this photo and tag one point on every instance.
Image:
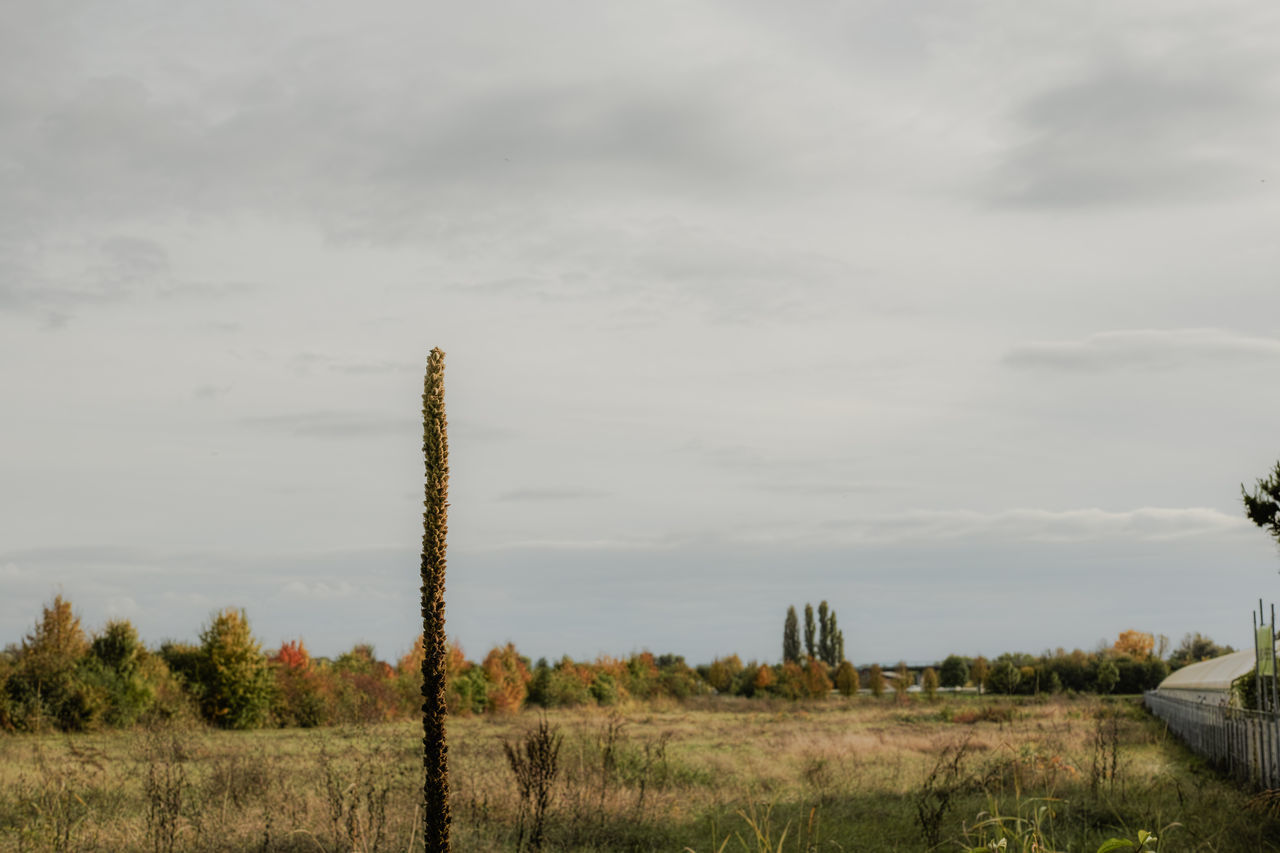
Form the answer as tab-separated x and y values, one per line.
837	775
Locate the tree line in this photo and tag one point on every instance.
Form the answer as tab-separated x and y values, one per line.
60	676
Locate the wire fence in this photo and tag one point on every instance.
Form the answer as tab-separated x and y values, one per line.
1243	743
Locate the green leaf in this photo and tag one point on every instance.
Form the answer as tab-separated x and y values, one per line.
1112	844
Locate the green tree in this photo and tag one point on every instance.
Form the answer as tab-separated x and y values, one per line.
435	760
875	680
826	642
901	680
1108	675
979	672
237	679
791	637
929	683
1263	506
809	647
954	672
1005	676
847	679
830	638
1195	648
128	675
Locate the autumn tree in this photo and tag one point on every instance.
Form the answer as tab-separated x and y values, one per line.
50	652
902	680
816	680
1136	644
979	672
509	679
875	680
235	679
791	637
43	686
929	682
723	671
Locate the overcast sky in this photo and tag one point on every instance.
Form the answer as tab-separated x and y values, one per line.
963	316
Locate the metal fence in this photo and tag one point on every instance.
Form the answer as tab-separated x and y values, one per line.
1245	744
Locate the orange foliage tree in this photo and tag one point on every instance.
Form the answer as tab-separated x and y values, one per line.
816	681
508	677
1136	644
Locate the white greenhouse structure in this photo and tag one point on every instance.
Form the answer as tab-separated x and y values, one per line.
1208	681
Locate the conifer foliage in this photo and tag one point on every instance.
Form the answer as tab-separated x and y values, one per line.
435	449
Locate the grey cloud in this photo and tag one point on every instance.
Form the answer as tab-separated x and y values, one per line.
1145	349
333	424
115	144
211	392
1186	128
543	495
824	489
305	362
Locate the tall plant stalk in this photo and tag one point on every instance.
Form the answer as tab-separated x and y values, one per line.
435	448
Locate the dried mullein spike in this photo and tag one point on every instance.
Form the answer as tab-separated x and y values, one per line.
435	449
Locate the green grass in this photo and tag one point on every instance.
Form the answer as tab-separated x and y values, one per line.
715	775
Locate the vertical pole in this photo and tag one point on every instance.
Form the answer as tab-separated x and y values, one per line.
1257	688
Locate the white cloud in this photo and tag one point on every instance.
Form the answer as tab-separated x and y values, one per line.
1146	349
320	589
1144	524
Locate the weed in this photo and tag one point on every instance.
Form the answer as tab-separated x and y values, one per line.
534	761
943	782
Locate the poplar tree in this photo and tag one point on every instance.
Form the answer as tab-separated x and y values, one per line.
808	629
826	639
435	449
791	637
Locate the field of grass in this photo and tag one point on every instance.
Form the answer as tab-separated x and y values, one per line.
719	775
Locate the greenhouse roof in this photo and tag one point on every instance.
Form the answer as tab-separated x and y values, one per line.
1214	674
